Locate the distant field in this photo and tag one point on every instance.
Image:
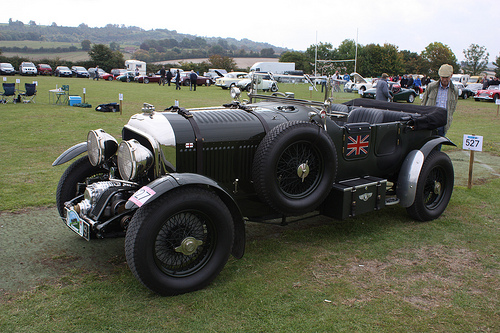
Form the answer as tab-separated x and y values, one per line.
35	44
71	56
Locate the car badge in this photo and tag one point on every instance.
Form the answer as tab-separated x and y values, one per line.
365	196
189	145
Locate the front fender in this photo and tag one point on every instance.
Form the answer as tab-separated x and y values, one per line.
164	184
410	170
71	153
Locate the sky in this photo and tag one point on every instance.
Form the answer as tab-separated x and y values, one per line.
294	24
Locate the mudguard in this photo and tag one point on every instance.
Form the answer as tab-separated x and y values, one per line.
162	185
71	153
411	168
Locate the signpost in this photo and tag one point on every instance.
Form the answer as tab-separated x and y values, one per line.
472	143
120	97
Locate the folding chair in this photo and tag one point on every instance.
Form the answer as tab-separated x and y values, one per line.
63	95
9	92
29	95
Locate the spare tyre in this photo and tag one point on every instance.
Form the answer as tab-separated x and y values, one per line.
294	167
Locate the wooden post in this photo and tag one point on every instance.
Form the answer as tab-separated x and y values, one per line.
471	165
498	109
84	92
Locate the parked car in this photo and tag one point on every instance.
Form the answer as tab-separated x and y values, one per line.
148	78
106	76
398	94
357	83
79	71
91	71
118	71
7	69
261	82
230	79
200	80
181	183
128	76
463	91
62	71
44	69
474	79
490	94
27	68
474	87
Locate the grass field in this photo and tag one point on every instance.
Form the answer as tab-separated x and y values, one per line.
380	272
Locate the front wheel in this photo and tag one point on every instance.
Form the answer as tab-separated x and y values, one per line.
434	187
180	242
146	80
110	78
411	98
75	179
274	88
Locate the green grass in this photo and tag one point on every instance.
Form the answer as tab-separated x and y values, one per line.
379	272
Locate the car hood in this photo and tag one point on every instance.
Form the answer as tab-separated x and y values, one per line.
356	78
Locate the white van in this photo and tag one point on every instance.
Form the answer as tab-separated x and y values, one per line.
462	78
132	65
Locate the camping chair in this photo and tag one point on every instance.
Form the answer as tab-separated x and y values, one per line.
62	96
9	92
29	94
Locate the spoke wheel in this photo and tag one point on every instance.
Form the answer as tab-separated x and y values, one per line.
179	242
434	188
294	167
75	179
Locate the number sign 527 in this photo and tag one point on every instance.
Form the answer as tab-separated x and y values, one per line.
473	142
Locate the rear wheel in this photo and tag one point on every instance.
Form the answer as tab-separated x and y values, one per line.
434	187
411	98
110	78
180	242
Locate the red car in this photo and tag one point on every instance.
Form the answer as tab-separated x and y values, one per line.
490	94
106	76
200	81
44	69
147	79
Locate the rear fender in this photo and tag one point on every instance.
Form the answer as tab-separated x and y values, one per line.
411	168
71	153
167	183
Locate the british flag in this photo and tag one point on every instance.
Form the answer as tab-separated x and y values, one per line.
358	145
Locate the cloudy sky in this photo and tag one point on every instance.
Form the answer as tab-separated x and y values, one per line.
296	24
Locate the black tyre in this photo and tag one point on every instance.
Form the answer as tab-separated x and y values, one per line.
274	88
294	167
187	83
495	97
146	80
465	95
180	242
411	98
74	180
110	78
434	187
128	79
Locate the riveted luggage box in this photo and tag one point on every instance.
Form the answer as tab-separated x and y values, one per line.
356	196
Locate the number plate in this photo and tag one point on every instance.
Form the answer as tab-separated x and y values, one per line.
75	223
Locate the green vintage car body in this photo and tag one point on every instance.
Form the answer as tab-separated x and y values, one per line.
182	183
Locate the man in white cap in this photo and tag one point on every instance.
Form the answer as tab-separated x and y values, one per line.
444	94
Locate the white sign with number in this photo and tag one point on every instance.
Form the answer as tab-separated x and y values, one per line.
120	97
473	142
497	101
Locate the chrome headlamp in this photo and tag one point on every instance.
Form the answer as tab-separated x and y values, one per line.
133	159
100	146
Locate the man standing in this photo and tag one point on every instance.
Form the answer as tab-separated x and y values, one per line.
96	75
444	94
382	93
193	77
169	76
162	76
177	80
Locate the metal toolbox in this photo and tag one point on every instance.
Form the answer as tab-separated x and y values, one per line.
356	196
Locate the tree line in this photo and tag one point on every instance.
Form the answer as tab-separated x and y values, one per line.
375	59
